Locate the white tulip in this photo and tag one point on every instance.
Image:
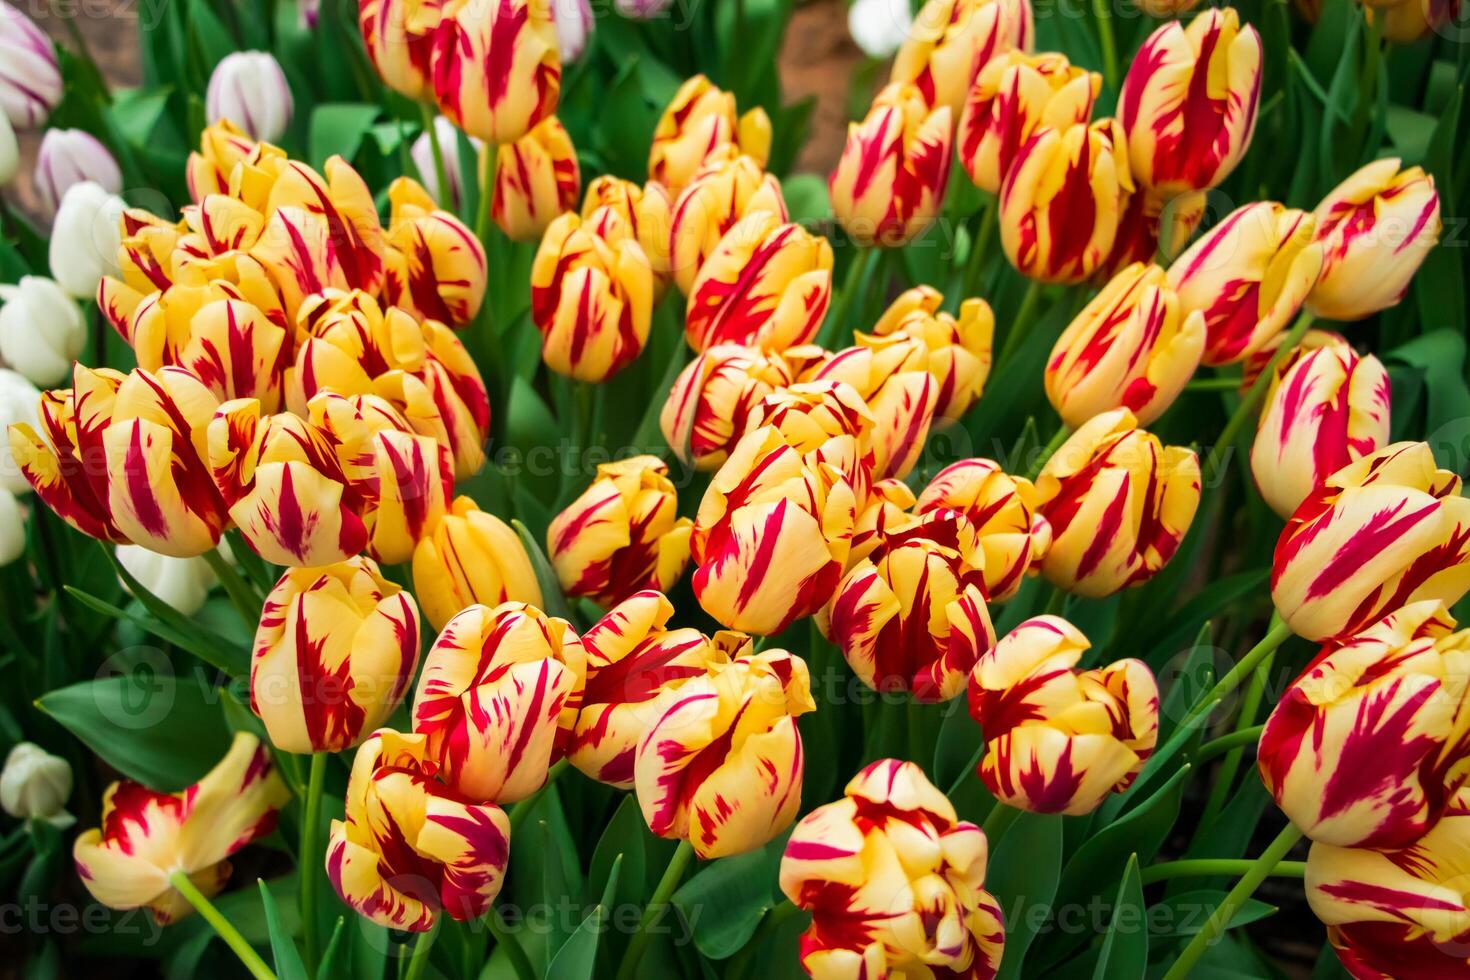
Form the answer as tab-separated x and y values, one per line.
423	158
20	401
573	20
9	151
30	76
249	89
41	330
85	238
12	528
879	26
68	157
182	583
35	785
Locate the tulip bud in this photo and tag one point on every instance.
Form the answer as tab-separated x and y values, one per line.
704	415
1327	409
85	237
411	848
1118	501
1015	94
1189	101
250	88
894	881
1131	347
68	157
9	152
699	123
1152	228
536	179
878	27
30	86
182	584
12	528
622	534
1249	276
592	300
435	264
1383	531
1002	509
423	160
721	764
959	349
41	330
496	70
1375	229
618	210
720	194
951	40
1059	740
890	374
1061	202
574	23
35	785
784	279
146	836
471	556
497	699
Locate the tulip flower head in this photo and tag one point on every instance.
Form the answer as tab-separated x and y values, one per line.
422	152
1059	740
618	209
221	146
250	88
1002	509
891	375
699	123
471	557
495	67
723	191
959	347
879	26
827	421
20	401
536	179
574	23
400	37
952	40
704	415
68	157
1153	228
435	266
85	239
41	330
30	82
183	584
35	785
894	881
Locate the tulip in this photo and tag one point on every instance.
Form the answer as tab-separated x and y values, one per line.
147	836
1061	202
496	71
1249	276
1118	501
35	785
84	239
1385	530
1406	23
591	298
952	40
182	584
1132	347
827	422
1143	235
622	534
618	210
497	699
1013	96
20	401
1375	229
720	194
250	87
1329	408
410	848
470	557
698	123
704	414
221	147
878	27
30	81
721	763
631	660
574	23
894	881
536	179
889	503
9	152
1059	740
1251	367
959	348
41	330
68	157
422	153
435	264
891	375
12	528
1189	101
767	284
400	39
1003	511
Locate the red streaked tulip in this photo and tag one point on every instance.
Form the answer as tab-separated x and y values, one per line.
1326	409
411	848
496	69
891	375
1118	501
435	264
894	881
704	414
536	179
1143	235
1189	101
221	146
618	209
951	40
1132	347
826	421
399	37
471	556
721	763
1375	229
700	123
889	183
723	191
1251	367
1385	530
146	835
1059	740
498	697
888	506
959	347
1003	511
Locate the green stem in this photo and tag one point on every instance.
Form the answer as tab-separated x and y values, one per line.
504	939
441	172
1024	316
1225	743
1244	668
998	821
673	875
1252	398
421	949
483	221
851	286
1213	384
1048	451
1107	41
243	950
1250	703
242	595
1209	867
975	264
1244	889
309	862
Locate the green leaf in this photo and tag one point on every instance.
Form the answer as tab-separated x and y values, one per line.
283	947
209	34
1184	914
334	960
553	602
1125	950
577	958
726	901
1023	876
339	129
621	844
806	198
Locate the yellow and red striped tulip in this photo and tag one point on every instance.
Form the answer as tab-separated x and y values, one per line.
1059	740
471	557
959	348
721	763
435	264
497	70
1375	229
891	375
631	660
335	650
911	616
1143	235
889	183
1385	530
622	535
699	123
894	881
1003	510
146	835
1251	367
591	298
889	503
498	697
767	284
826	421
232	346
1326	409
1062	201
399	38
1013	96
616	209
952	40
704	414
1365	748
1132	347
536	179
1119	502
1248	275
724	190
221	146
411	848
1189	102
